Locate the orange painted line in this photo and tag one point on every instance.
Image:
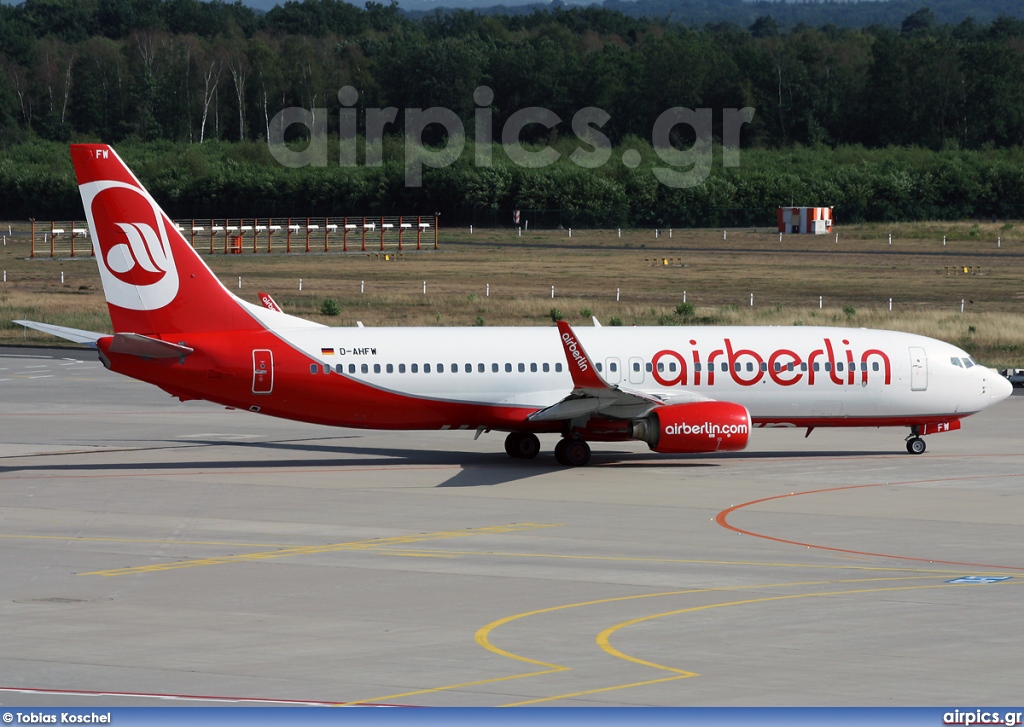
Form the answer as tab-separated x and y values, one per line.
722	519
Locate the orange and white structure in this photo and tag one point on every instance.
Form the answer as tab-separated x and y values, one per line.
805	220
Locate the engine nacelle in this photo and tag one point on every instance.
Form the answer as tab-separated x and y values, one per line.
701	426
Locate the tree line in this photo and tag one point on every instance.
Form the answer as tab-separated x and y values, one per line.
240	179
191	71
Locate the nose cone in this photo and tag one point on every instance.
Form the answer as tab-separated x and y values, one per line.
1001	386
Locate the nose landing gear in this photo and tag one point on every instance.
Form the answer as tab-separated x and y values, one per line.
915	445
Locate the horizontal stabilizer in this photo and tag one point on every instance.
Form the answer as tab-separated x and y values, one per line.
77	335
136	344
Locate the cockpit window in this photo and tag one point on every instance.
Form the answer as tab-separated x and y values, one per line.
967	362
956	362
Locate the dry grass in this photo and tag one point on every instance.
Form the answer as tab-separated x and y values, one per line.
861	272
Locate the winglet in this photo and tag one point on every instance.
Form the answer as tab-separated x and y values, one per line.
584	374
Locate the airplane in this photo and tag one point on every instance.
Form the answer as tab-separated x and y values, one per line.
681	390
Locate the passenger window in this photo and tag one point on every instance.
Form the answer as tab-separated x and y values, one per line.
839	366
661	367
533	368
817	366
313	368
327	368
558	368
508	368
828	365
750	366
599	367
376	368
440	368
613	367
764	366
547	368
401	368
636	366
874	366
725	366
494	367
426	368
778	367
390	369
696	367
789	366
455	368
480	368
521	368
351	368
803	366
672	366
469	368
647	367
415	368
339	369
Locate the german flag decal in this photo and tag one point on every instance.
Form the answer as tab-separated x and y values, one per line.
326	351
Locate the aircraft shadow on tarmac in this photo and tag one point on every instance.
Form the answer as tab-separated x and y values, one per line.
477	469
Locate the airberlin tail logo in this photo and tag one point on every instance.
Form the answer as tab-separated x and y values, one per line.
136	263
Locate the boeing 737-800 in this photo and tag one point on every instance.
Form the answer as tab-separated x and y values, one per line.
679	389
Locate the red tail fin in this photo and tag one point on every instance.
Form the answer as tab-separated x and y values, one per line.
153	280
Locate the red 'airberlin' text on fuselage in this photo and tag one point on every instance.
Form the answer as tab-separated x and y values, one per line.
838	365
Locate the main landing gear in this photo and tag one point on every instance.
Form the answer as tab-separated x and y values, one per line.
569	452
572	452
522	445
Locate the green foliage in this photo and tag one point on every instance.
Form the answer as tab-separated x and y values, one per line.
555	314
586	313
849	311
330	307
920	120
685	310
479	321
614	321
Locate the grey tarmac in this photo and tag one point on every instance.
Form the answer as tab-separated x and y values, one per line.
160	553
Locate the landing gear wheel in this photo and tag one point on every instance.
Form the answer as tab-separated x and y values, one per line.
572	452
522	445
560	451
916	445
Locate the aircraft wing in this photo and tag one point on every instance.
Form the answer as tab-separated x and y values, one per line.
591	394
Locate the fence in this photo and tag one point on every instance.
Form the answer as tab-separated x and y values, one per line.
254	235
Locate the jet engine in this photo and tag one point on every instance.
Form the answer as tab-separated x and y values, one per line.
702	426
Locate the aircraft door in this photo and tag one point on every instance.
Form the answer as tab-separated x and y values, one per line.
612	370
636	370
262	371
918	369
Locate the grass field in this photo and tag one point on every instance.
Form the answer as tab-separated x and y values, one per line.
855	278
